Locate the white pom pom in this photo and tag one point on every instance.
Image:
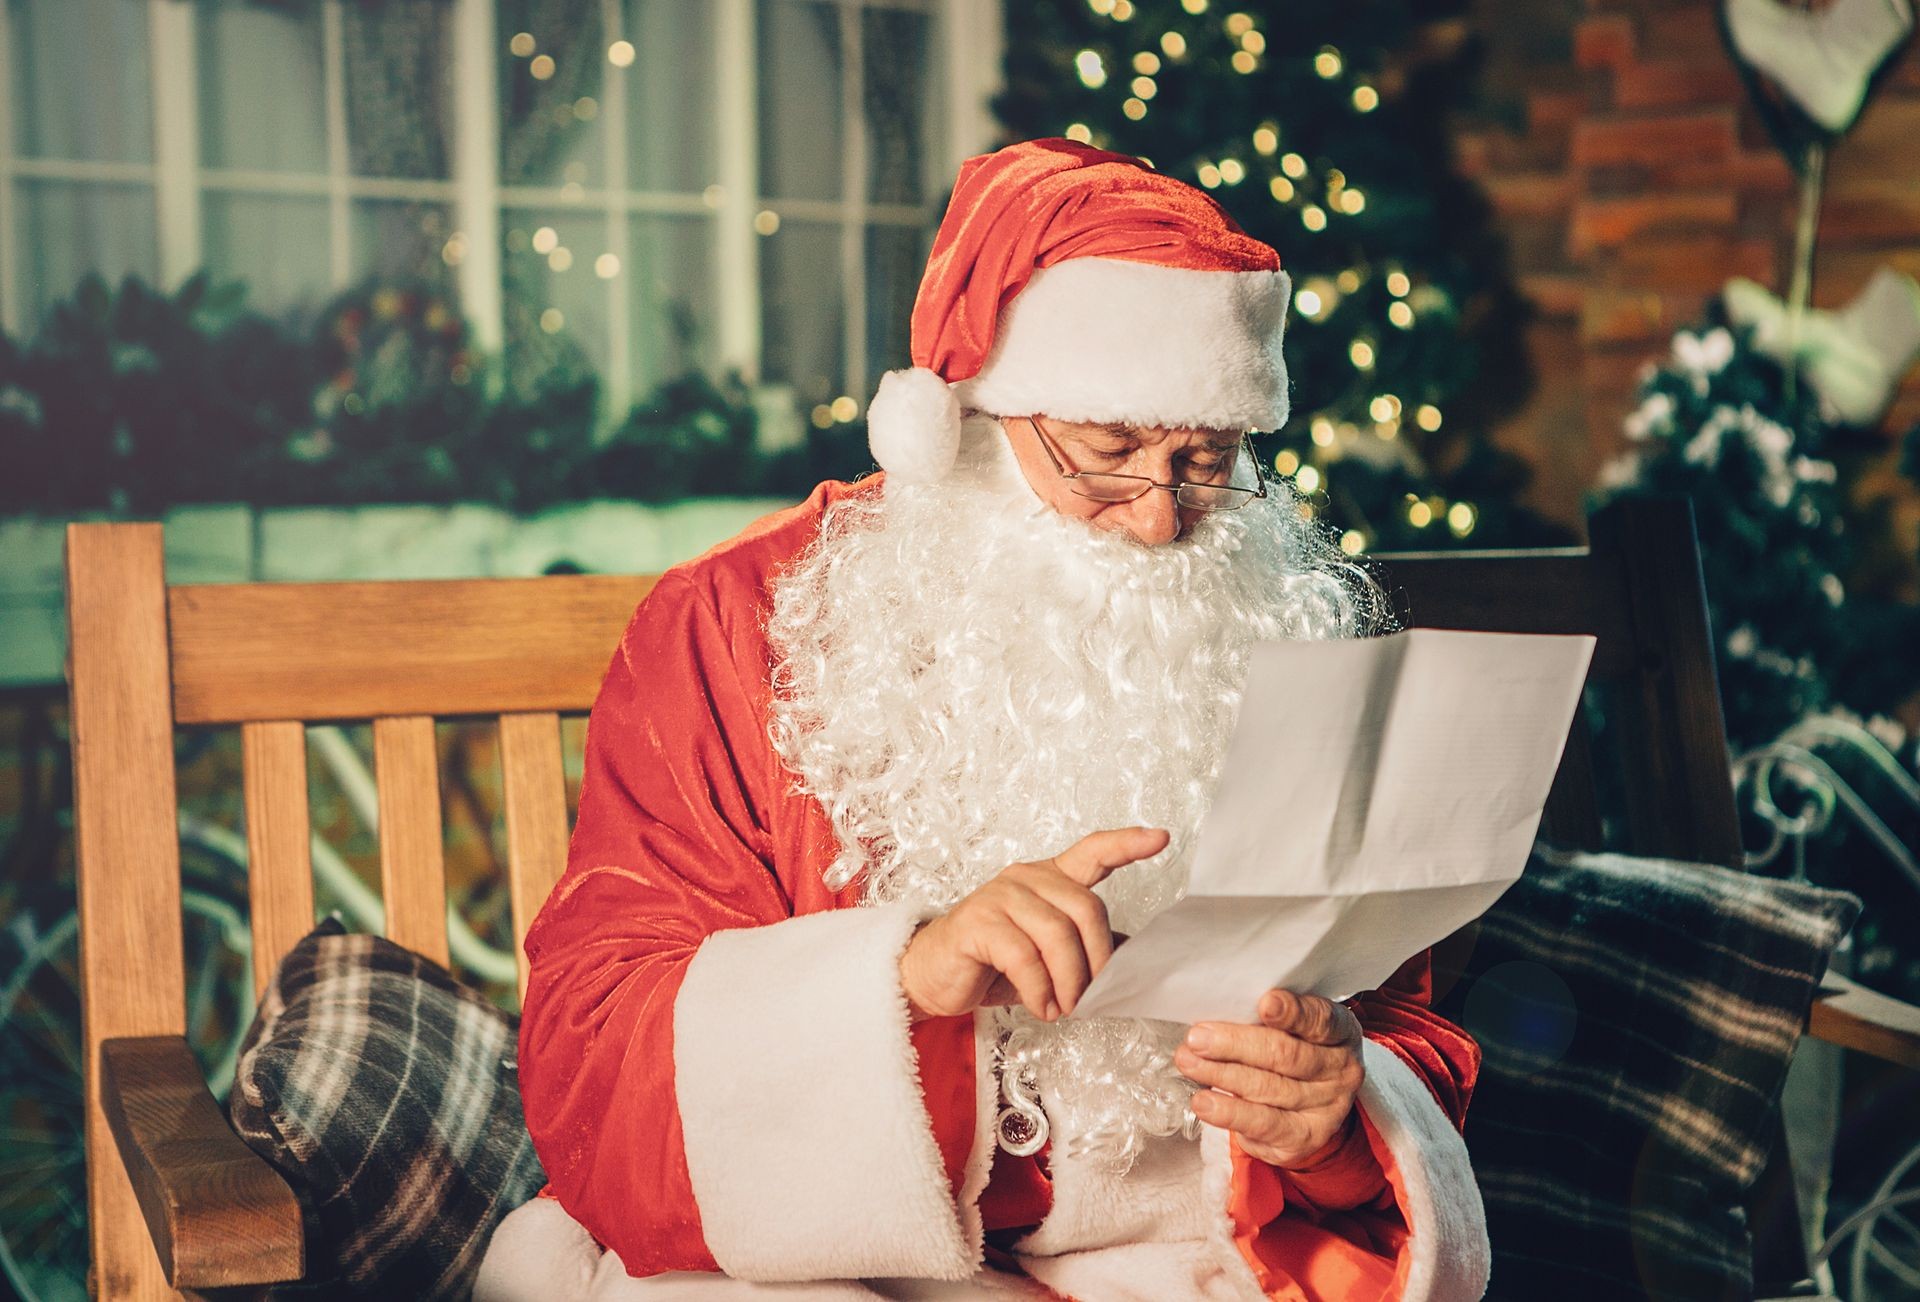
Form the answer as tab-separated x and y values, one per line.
913	426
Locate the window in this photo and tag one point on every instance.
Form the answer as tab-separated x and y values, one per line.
633	186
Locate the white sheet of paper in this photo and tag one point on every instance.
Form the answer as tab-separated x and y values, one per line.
1377	795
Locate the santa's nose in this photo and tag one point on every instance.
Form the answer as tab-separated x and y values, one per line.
1152	518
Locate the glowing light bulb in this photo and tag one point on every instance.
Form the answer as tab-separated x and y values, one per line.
620	54
822	416
1281	188
546	240
586	108
1401	315
1254	43
713	196
1093	72
1313	218
560	259
1398	284
1461	517
1419	515
541	67
1147	62
553	321
1233	171
1353	542
1243	62
1327	62
1323	432
1145	88
1360	352
844	408
1239	24
1134	108
1080	131
1266	140
1194	6
1209	175
522	44
1101	7
1428	417
1309	302
1122	10
1348	280
606	266
1352	200
1287	462
1173	44
1293	165
1366	98
1384	407
1308	480
766	221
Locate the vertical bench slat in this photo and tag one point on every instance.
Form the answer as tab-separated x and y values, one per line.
536	798
126	828
279	841
413	870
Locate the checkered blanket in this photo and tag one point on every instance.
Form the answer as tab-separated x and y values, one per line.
386	1091
1637	1017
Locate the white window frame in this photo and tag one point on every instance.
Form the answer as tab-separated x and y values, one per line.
969	40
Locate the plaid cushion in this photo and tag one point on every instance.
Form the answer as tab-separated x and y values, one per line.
387	1092
1637	1017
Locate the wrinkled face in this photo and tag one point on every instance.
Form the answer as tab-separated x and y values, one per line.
1166	456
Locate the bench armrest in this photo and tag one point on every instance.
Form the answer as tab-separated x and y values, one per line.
218	1213
1854	1017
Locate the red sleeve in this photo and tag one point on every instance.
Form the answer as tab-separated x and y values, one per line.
669	847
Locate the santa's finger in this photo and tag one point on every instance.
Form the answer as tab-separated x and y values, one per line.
1058	938
1270	1049
1088	911
1256	1085
1312	1018
1255	1122
1090	859
1009	951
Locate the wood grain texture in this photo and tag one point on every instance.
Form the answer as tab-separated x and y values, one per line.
536	798
317	651
413	870
1854	1017
128	845
279	841
218	1215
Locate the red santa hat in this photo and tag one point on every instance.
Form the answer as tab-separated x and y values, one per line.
1082	284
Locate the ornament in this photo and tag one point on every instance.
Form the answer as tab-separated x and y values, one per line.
1822	61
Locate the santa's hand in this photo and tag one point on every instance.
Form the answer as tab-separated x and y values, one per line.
1036	934
1284	1087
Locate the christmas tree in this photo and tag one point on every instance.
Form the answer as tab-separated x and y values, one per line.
1322	128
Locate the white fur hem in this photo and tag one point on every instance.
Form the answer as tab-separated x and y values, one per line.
1101	339
807	1136
1446	1221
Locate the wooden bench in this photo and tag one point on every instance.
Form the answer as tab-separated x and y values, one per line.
178	1205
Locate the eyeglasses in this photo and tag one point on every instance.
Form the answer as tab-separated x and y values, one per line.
1126	488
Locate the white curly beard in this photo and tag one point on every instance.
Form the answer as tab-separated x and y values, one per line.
966	679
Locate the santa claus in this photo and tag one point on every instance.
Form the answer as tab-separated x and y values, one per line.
873	790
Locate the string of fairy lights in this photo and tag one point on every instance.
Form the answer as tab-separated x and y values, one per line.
1317	202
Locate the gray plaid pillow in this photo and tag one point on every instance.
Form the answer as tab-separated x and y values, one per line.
387	1093
1636	1018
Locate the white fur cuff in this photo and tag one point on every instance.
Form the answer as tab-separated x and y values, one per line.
807	1136
1446	1221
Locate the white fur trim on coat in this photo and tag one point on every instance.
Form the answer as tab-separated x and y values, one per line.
1446	1221
801	1106
1099	339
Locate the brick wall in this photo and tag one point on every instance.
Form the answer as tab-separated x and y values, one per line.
1633	179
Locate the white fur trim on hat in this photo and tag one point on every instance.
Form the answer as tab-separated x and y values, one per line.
1099	339
913	425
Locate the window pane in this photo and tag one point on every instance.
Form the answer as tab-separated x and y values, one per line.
902	98
399	96
802	309
896	257
550	127
262	87
68	230
556	308
81	82
800	117
278	244
671	298
670	141
402	243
